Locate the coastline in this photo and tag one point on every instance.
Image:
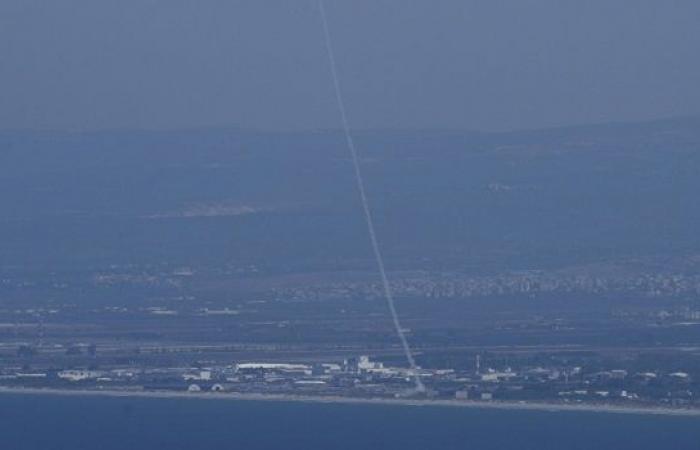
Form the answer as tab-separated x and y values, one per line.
231	396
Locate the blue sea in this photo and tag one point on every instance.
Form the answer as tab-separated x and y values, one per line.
75	423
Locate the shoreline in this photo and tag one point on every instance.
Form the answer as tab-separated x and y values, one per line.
232	396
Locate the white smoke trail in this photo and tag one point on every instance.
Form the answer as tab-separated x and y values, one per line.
365	203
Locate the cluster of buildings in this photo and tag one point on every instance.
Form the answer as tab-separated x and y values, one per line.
365	377
516	283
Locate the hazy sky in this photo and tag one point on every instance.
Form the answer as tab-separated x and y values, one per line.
465	64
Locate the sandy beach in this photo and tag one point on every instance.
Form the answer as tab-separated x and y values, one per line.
232	396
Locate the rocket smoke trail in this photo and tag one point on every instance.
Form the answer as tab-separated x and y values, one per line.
365	203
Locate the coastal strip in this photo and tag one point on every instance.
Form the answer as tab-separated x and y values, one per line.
235	396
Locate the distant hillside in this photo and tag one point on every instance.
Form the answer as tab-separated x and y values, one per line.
287	201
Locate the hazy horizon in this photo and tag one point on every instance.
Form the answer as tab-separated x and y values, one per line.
473	66
337	129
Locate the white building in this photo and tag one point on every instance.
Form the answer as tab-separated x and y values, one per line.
680	375
495	376
77	375
277	367
202	375
364	364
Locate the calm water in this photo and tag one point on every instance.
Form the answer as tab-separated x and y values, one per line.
75	423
